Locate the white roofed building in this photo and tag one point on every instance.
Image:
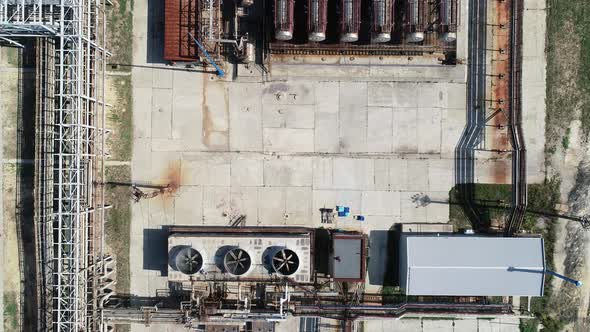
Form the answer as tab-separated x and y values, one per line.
471	265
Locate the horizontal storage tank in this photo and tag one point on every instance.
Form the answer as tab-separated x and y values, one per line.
413	22
317	20
448	13
284	19
382	20
350	20
249	53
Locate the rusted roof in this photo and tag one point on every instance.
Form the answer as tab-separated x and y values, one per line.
181	17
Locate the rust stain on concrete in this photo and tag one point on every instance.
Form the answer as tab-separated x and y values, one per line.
207	122
173	177
498	131
502	171
214	137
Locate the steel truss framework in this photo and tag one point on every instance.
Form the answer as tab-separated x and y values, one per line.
73	160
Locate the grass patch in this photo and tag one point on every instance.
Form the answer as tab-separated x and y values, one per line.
395	295
581	10
391	290
492	200
495	299
528	325
120	33
565	141
543	198
122	328
10	312
568	69
120	119
12	55
118	225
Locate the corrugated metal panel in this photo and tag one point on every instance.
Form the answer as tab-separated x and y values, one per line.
181	17
473	266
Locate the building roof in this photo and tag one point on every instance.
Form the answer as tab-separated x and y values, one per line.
472	266
348	257
180	19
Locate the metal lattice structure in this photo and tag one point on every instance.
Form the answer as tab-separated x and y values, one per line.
29	18
72	154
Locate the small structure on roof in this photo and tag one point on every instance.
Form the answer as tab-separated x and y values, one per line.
471	265
348	257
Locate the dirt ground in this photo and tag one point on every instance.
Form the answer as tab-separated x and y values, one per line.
10	268
568	156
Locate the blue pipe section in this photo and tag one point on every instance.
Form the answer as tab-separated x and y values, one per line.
573	281
220	72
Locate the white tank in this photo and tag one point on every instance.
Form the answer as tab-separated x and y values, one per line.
350	20
283	35
349	37
448	37
284	19
250	53
382	37
317	36
316	21
415	37
382	21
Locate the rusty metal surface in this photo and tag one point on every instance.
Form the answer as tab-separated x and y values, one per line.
499	104
284	10
351	49
211	230
383	15
448	15
350	19
181	18
317	15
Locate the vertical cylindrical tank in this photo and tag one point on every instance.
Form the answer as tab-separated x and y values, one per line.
448	12
414	25
284	19
382	20
350	20
249	53
317	20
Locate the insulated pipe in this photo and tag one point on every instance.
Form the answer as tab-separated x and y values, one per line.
350	20
382	23
413	22
317	20
284	10
447	18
